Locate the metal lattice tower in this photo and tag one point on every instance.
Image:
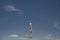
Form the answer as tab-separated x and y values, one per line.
29	30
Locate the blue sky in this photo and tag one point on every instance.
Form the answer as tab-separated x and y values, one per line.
44	14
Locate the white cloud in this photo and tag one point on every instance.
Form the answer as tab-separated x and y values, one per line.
11	8
56	25
13	35
50	37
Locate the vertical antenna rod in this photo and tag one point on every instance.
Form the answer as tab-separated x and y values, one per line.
30	24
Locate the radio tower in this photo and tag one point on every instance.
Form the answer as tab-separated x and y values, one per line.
30	31
30	24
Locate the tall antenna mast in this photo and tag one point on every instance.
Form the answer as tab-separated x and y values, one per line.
30	24
30	29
